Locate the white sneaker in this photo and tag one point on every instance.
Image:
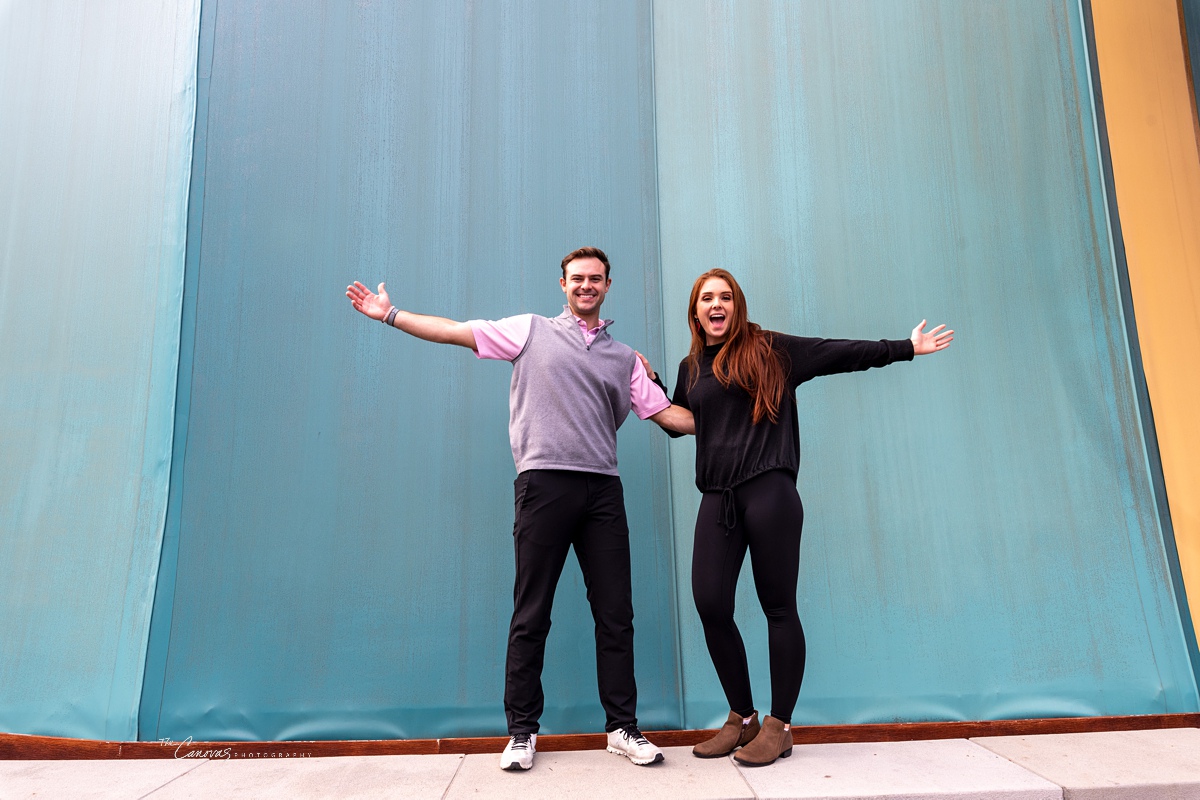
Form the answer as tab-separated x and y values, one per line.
519	752
629	742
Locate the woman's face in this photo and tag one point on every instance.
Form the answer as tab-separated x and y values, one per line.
714	309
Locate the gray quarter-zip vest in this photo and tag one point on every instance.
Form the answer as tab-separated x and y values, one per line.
568	398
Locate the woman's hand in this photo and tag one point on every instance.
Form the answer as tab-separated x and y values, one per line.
650	373
375	306
924	343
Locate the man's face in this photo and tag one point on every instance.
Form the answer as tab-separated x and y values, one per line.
585	286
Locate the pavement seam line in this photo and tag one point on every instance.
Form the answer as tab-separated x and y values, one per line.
177	777
1062	790
462	759
742	775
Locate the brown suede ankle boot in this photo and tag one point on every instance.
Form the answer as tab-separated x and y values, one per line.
773	741
733	734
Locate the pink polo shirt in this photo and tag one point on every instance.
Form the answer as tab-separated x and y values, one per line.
504	339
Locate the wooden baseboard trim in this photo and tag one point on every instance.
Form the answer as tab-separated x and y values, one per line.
15	746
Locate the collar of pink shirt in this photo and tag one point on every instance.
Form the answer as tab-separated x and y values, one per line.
589	336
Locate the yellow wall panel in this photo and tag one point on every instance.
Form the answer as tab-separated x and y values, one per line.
1153	138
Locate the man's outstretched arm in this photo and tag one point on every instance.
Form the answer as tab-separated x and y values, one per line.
431	329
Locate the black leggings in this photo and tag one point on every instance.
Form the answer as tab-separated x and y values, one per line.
766	516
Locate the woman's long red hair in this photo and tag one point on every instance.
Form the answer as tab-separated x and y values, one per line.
747	359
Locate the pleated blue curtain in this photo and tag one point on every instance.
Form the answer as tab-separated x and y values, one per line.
344	564
96	116
981	538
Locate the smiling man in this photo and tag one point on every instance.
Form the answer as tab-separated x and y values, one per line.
572	387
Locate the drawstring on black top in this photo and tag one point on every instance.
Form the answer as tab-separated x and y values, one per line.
728	511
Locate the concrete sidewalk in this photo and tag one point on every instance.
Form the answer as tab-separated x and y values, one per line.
1149	764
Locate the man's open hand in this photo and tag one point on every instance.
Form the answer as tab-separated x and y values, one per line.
375	306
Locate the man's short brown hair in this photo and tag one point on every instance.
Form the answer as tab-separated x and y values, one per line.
585	252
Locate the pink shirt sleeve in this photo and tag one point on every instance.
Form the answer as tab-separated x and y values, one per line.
501	339
644	395
504	339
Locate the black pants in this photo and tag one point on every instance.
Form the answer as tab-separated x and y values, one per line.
556	510
766	516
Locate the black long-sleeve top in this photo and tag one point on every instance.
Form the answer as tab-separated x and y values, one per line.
729	448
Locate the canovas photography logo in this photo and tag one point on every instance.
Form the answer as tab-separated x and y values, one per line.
189	749
186	749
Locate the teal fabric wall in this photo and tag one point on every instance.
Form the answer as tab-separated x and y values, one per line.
344	557
333	499
981	540
96	111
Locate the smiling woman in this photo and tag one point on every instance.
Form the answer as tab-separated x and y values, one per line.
718	311
739	381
